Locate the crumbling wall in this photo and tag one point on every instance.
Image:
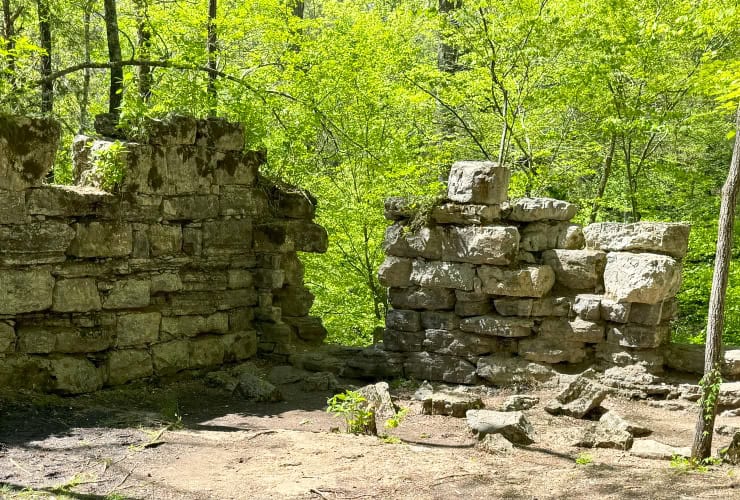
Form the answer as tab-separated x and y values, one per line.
482	287
189	263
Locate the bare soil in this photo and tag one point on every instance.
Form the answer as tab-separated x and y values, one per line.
186	440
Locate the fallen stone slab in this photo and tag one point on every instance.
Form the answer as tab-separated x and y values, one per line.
495	444
614	421
254	388
514	426
519	402
581	396
450	403
647	448
601	435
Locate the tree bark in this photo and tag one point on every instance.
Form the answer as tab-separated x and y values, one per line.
212	42
608	161
9	33
144	33
115	97
47	87
85	101
702	447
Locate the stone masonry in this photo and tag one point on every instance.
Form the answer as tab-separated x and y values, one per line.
189	263
482	287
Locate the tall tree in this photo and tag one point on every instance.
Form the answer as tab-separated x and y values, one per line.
115	95
702	447
144	34
212	46
9	18
47	86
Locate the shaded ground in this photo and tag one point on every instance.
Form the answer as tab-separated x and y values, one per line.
186	440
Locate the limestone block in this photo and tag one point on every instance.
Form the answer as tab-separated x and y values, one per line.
548	235
505	369
481	182
428	366
187	170
473	308
425	242
218	133
422	298
648	448
307	236
240	345
165	282
242	200
651	359
170	357
7	338
465	214
236	167
442	275
577	329
307	328
631	335
137	329
588	306
439	320
576	269
292	202
293	269
35	243
190	207
25	291
405	321
73	375
44	339
546	306
499	326
164	239
12	207
28	147
76	295
526	281
457	343
617	312
191	326
497	245
513	425
101	239
534	209
194	279
651	314
138	208
128	293
398	341
27	372
397	208
571	237
552	351
206	351
395	272
175	130
660	237
294	300
227	236
240	278
127	365
646	278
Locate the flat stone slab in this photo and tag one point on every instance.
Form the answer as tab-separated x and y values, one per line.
647	448
662	237
450	403
534	209
600	435
514	426
581	396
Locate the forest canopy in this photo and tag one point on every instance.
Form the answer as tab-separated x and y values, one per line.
624	107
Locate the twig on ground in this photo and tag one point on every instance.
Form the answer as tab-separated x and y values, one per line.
260	433
120	483
19	466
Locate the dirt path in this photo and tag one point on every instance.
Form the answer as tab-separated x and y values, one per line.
186	440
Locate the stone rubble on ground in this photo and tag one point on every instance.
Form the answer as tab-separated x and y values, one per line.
519	402
580	397
514	426
648	448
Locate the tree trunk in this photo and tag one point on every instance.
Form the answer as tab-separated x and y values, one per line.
144	33
702	447
115	97
86	77
212	41
608	161
299	7
47	87
9	34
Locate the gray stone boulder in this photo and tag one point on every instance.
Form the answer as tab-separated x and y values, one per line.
552	350
499	326
397	208
425	242
449	402
480	182
457	343
546	306
588	306
286	374
534	209
252	387
443	275
395	272
320	382
378	400
648	448
422	298
403	320
541	236
496	245
576	269
612	420
661	237
577	329
581	396
514	426
431	366
638	336
505	369
519	402
600	435
646	278
495	444
731	452
527	281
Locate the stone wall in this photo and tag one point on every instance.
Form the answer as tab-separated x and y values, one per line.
481	286
190	263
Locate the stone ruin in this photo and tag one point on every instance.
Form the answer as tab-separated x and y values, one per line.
484	289
189	264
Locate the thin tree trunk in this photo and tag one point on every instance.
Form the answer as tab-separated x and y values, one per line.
86	76
299	6
212	41
702	447
115	97
47	87
144	33
608	161
9	34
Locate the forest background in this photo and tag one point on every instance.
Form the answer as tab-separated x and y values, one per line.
624	107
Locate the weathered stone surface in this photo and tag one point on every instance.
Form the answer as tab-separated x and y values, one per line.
548	350
577	329
729	395
645	278
426	366
519	402
495	444
439	320
128	293
541	236
546	306
374	362
497	245
513	425
190	207
647	448
399	341
320	382
731	452
612	355
630	335
242	200
588	306
534	209
497	325
12	207
378	400
450	403
25	291
191	326
405	321
661	237
7	338
64	338
612	420
286	374
443	275
73	375
36	243
422	298
599	435
457	343
527	281
477	308
395	272
207	350
252	387
218	133
291	202
576	269
465	214
240	345
478	182
398	208
98	239
425	242
27	150
307	328
76	295
618	312
503	369
172	131
227	236
580	397
236	167
127	365
294	300
650	314
136	329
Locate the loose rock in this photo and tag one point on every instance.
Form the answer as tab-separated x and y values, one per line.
514	426
580	397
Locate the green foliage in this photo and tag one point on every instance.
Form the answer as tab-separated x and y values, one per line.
584	459
396	419
710	384
352	407
681	464
110	165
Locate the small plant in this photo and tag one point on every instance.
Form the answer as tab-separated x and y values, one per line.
682	464
391	440
584	459
396	419
352	407
110	166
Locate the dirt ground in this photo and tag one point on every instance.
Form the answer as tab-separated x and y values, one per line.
186	440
